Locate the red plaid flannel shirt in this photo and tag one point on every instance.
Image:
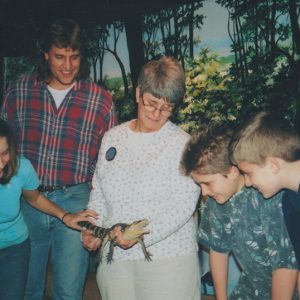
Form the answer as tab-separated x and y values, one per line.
61	143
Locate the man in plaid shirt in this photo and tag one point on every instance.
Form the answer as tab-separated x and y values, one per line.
59	117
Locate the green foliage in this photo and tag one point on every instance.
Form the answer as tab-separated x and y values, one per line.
15	67
226	60
171	31
262	72
126	108
125	105
266	46
114	85
206	96
213	94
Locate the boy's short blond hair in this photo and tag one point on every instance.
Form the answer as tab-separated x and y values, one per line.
207	151
265	135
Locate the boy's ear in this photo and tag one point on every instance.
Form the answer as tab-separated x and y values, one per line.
274	164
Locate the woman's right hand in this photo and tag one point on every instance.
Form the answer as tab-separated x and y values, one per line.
90	242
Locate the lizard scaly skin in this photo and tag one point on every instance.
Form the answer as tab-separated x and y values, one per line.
133	232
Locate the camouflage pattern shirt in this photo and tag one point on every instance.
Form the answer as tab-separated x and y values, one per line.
253	229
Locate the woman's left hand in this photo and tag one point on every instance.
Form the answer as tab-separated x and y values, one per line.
117	235
71	219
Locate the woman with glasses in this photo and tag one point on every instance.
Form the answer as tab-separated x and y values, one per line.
138	177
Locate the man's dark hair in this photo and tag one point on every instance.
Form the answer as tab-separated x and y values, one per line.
63	33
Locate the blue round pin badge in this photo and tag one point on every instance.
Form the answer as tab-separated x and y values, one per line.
110	153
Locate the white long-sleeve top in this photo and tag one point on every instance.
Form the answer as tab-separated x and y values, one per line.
143	181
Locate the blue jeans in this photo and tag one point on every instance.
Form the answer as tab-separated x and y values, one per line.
48	235
13	270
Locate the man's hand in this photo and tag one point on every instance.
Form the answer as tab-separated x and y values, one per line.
89	242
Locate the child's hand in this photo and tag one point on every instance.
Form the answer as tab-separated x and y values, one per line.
71	220
117	235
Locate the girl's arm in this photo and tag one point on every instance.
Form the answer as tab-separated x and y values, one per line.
40	202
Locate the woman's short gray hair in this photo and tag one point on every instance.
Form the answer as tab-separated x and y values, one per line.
163	78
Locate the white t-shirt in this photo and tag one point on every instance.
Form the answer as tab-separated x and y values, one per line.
59	95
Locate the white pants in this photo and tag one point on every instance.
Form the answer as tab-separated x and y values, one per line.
175	278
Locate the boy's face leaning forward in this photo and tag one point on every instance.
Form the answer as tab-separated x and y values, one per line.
262	177
220	187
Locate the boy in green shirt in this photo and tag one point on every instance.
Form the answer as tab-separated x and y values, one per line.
237	219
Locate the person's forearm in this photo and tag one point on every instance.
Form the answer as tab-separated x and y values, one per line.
283	284
40	202
162	225
298	285
219	270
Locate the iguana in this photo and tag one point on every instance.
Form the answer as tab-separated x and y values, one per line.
133	232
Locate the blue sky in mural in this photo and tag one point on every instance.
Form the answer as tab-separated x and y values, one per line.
214	32
213	35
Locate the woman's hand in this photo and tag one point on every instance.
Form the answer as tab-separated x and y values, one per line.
117	235
89	242
71	220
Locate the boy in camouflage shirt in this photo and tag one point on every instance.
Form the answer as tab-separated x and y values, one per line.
239	220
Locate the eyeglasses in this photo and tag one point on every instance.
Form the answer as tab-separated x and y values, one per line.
165	110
